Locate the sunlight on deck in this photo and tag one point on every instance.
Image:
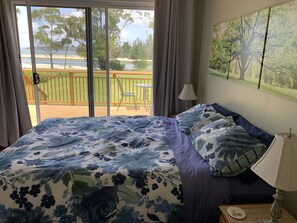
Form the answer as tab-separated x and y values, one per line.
64	111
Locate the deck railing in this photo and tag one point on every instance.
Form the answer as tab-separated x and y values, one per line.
71	86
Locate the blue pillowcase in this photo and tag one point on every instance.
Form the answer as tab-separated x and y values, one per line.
224	111
226	147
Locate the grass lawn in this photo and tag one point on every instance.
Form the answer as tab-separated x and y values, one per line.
287	93
60	87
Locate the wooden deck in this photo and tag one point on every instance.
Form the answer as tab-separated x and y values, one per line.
67	111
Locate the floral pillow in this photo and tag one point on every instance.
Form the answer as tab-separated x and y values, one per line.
205	121
226	147
193	115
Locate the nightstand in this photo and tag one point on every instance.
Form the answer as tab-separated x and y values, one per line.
253	213
172	115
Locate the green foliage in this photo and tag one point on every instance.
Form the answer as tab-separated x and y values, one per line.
238	47
140	64
137	50
114	65
99	37
241	40
58	31
17	10
48	35
125	49
141	51
281	57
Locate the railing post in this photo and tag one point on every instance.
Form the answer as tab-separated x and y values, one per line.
114	102
71	88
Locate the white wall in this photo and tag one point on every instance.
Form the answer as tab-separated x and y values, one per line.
272	114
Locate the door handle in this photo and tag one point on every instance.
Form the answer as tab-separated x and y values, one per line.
36	78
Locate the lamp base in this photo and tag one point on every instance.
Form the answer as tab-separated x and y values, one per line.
276	208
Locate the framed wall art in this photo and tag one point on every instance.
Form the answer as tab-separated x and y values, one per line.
259	50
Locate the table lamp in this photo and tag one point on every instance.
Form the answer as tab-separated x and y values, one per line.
278	167
187	94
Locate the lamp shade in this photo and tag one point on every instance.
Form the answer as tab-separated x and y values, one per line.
278	165
187	93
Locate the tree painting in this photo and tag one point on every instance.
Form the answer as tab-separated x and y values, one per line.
259	50
280	63
238	47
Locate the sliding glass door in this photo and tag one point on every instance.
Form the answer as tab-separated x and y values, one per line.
55	73
131	57
92	61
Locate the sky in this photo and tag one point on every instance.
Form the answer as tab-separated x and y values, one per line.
138	29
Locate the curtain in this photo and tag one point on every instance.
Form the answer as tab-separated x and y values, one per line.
14	112
177	38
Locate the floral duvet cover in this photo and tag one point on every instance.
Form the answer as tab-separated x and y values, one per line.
107	169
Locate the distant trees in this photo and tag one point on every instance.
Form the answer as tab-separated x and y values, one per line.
58	31
118	20
141	51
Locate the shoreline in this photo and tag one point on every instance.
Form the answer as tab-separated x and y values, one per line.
61	57
74	57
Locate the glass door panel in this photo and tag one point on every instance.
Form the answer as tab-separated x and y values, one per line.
60	46
131	58
58	57
99	45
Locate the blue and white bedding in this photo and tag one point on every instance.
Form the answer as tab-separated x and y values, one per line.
113	169
109	169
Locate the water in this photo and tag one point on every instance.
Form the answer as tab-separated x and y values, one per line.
26	61
26	50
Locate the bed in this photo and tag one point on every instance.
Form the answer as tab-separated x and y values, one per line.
124	169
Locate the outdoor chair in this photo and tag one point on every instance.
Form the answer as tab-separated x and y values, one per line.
125	94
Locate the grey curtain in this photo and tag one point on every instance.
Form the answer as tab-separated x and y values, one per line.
14	112
177	38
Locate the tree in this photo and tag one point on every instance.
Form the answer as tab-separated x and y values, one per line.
99	37
48	36
125	49
57	31
140	51
225	47
240	39
137	50
280	62
251	38
149	47
70	26
118	20
17	10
